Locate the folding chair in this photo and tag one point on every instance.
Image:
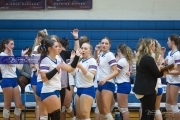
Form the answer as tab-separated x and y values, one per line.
12	103
29	99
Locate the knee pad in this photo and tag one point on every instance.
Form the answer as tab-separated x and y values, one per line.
174	108
96	110
6	113
69	110
63	109
123	110
158	112
108	117
86	119
140	109
168	106
17	111
55	115
43	117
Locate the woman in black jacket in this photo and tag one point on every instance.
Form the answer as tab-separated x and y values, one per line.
147	73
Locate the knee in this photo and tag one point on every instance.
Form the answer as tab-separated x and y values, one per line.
17	111
6	113
174	108
84	115
123	110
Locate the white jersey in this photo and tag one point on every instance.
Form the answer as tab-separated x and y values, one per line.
71	78
47	65
173	58
8	70
34	53
123	67
159	84
37	56
105	61
81	81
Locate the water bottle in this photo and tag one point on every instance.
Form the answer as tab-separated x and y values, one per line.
118	116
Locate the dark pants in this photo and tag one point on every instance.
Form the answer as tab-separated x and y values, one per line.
148	106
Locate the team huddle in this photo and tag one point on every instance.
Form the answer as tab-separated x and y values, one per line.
95	76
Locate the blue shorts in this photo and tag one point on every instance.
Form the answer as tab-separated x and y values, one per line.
176	84
87	91
9	82
124	88
45	95
160	91
107	86
34	79
38	88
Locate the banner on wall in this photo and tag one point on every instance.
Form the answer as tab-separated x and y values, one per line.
22	4
69	4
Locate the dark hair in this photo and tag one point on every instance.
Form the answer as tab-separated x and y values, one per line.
175	38
64	41
107	39
42	46
48	43
4	41
83	39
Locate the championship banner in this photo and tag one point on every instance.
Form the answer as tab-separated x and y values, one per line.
22	4
69	4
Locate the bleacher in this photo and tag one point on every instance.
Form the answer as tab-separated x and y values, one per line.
119	31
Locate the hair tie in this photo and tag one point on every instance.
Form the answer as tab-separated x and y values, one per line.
64	37
43	48
125	46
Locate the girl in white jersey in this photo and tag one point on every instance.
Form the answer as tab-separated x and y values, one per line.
85	73
9	83
42	109
107	69
122	80
50	70
173	78
40	35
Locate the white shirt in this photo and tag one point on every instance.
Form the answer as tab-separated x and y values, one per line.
8	70
173	58
34	53
124	67
105	62
47	65
81	80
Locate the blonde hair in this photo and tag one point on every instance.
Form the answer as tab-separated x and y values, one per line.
127	52
43	34
157	51
144	48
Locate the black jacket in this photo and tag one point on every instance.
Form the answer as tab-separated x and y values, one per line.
147	73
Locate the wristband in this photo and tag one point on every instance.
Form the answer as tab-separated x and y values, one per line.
50	74
75	61
76	39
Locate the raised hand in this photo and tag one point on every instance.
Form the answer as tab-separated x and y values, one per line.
23	52
98	47
75	33
78	52
72	54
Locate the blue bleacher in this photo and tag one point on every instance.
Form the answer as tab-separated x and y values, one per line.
119	31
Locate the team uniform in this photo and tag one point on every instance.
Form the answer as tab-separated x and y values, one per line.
173	58
39	80
34	70
122	80
9	77
105	61
52	86
85	86
159	87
